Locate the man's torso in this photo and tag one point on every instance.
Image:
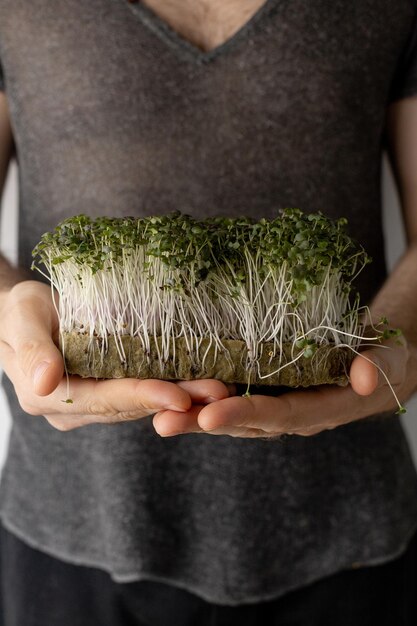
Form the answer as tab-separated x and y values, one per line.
115	115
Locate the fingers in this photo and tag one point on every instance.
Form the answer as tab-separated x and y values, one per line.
100	402
169	423
120	399
202	392
127	396
206	390
261	412
297	412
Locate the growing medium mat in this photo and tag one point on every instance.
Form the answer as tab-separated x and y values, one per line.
83	355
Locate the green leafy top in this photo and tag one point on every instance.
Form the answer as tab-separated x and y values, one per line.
310	244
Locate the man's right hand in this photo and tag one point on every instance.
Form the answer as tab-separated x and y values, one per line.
29	355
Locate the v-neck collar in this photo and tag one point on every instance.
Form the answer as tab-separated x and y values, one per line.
176	41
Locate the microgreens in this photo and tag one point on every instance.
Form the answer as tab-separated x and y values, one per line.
286	280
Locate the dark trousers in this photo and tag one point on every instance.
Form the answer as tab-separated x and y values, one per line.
38	590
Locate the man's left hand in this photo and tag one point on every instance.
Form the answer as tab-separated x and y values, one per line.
305	412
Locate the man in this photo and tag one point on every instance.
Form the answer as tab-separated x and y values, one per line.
113	112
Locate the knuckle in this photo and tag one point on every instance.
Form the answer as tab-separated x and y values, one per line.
126	416
100	408
28	352
29	345
255	433
286	419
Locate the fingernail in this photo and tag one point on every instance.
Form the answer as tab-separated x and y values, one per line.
212	399
173	407
39	371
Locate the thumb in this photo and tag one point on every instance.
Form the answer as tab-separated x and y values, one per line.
48	374
37	356
364	374
373	368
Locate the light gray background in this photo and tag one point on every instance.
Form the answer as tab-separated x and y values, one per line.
395	244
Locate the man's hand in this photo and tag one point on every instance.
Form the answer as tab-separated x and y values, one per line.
31	359
306	412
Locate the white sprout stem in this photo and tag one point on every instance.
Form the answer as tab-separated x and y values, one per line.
262	307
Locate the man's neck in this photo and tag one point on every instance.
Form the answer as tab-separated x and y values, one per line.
206	24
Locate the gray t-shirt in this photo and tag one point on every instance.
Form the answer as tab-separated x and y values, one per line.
114	113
